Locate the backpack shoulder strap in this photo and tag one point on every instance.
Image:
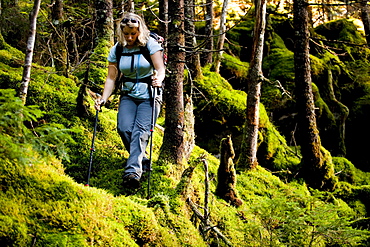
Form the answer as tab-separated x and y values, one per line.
145	51
119	49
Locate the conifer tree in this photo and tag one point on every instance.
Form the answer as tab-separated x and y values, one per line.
248	156
314	170
173	141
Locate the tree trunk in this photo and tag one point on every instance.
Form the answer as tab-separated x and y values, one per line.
163	24
104	20
29	52
207	54
192	58
57	12
310	146
248	156
366	20
221	37
226	175
172	149
189	133
59	48
101	43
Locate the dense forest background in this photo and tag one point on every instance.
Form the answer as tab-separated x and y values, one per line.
202	192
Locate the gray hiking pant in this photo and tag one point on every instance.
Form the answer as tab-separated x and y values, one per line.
133	124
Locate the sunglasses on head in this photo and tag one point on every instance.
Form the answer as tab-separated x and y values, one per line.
126	20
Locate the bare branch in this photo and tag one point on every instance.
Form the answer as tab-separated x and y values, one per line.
208	225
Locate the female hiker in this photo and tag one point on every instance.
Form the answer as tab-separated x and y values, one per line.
134	117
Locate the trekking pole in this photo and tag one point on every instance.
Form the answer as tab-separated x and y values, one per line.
152	126
92	149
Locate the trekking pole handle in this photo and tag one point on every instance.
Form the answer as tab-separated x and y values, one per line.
155	82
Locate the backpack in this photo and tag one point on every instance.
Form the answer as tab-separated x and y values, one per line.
143	50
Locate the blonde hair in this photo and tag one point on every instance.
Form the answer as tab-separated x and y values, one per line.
144	32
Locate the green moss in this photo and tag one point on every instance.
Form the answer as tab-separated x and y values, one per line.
241	35
235	66
323	112
279	65
329	180
221	106
10	55
347	172
275	42
12	231
10	77
342	30
347	31
41	205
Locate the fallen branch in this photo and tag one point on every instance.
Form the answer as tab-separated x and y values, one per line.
206	221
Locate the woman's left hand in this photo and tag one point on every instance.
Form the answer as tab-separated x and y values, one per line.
155	80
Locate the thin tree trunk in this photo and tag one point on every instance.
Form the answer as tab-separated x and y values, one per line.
207	55
221	37
57	12
29	52
59	48
248	156
163	24
172	149
366	20
310	147
192	58
189	133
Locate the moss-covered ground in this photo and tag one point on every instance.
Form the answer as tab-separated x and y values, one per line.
45	153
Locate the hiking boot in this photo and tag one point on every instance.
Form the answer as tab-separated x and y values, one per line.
131	181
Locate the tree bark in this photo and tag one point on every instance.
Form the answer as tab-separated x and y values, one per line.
192	58
104	27
163	24
57	12
207	54
366	20
29	52
226	175
248	156
310	146
189	132
102	41
221	37
59	48
172	149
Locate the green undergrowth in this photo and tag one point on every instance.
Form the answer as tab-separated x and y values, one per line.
44	200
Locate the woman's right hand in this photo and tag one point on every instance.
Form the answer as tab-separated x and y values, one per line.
108	86
99	102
